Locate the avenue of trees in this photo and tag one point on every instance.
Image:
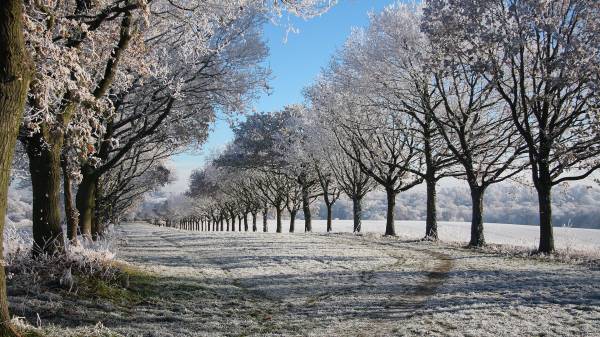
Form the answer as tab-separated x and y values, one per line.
483	91
96	95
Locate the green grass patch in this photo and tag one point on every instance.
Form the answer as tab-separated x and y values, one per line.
131	286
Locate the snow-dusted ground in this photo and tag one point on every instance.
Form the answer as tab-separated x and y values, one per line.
582	239
316	284
346	285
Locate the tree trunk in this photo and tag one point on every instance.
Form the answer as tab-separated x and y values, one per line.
222	224
328	218
70	210
97	221
306	210
232	222
278	216
246	222
227	222
254	227
15	75
391	204
544	190
357	214
86	202
265	219
477	237
45	169
431	229
239	223
292	221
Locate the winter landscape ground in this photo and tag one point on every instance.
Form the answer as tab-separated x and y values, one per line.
319	284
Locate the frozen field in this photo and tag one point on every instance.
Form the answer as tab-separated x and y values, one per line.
264	284
518	235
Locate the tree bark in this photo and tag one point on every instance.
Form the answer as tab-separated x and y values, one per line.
239	223
97	221
227	222
278	216
265	219
254	227
391	204
292	221
232	222
15	75
306	210
431	229
357	214
221	222
45	169
328	217
71	213
544	190
86	202
245	222
477	237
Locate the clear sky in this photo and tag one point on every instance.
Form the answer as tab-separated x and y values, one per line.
294	63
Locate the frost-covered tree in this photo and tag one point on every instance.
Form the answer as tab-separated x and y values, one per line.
542	58
329	188
154	110
76	51
479	133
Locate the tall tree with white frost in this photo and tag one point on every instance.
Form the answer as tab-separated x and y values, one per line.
76	50
478	131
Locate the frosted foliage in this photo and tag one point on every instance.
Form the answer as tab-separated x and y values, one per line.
86	56
542	59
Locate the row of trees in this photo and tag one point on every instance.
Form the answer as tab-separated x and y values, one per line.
99	93
484	91
273	166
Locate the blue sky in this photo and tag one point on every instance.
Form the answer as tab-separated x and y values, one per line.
294	63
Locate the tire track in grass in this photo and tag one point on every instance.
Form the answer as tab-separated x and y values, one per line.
412	301
435	277
401	306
